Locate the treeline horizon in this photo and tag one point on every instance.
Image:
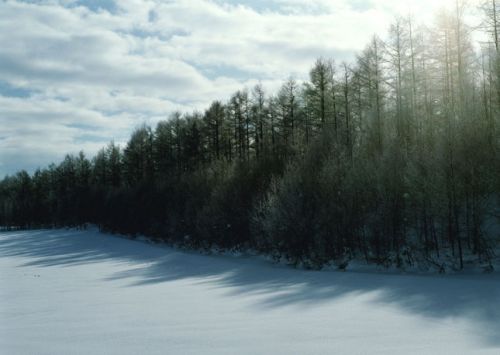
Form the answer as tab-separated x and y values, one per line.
392	158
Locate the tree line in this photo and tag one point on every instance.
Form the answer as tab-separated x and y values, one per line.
393	158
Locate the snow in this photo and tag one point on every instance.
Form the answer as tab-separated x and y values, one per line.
83	292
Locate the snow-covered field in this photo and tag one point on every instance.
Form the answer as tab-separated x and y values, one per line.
82	292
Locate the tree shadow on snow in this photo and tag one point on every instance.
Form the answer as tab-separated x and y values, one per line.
434	296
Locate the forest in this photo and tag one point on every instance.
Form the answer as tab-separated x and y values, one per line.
392	159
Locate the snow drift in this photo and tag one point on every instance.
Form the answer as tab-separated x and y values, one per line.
83	292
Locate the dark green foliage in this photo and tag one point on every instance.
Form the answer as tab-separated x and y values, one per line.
359	162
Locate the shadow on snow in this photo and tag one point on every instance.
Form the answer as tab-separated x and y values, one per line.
476	297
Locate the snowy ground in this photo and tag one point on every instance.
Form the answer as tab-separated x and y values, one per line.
82	292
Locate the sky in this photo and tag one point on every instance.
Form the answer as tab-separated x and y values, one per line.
76	74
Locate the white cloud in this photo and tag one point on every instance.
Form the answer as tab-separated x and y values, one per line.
91	75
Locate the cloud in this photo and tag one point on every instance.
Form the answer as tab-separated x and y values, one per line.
76	74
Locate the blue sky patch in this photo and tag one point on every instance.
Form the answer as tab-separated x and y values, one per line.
8	90
97	5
